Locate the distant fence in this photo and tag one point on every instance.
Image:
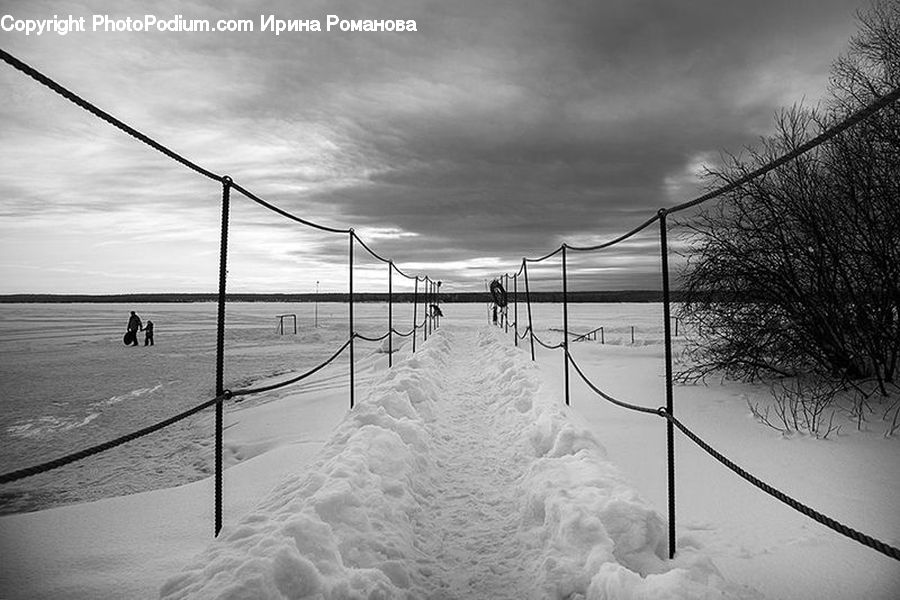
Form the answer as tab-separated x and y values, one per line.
428	296
667	412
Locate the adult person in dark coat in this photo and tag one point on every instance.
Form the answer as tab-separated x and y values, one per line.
134	325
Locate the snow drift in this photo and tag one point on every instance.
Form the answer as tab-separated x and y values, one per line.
457	476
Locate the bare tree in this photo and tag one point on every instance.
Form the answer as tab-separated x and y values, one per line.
798	271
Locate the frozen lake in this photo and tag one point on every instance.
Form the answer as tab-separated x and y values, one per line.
68	382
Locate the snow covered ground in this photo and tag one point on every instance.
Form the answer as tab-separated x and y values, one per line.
461	474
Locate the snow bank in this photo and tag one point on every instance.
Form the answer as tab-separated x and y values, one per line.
598	538
375	514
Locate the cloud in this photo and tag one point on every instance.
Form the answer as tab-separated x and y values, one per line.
498	130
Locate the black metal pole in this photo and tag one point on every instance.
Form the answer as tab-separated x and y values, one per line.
425	305
565	320
415	312
670	435
390	313
352	334
516	308
528	304
220	346
506	308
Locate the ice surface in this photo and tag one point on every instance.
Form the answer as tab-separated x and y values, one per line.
509	505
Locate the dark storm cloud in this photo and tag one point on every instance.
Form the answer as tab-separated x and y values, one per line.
537	121
498	130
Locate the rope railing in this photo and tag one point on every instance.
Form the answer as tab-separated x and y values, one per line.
228	184
543	258
668	410
545	345
401	334
833	524
85	453
607	397
371	339
369	250
430	292
225	395
105	116
268	205
267	388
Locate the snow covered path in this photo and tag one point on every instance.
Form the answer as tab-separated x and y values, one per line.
471	525
457	477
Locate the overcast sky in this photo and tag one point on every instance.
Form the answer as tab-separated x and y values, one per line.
497	130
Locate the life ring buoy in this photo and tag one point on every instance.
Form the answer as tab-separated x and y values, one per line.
498	293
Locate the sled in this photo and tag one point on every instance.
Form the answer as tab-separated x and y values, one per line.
130	337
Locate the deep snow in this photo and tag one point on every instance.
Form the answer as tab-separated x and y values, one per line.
129	546
454	478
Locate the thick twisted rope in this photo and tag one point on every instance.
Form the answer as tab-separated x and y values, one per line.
832	524
548	347
251	196
849	532
604	395
401	273
369	250
545	257
369	339
82	454
281	384
105	116
860	115
862	538
227	394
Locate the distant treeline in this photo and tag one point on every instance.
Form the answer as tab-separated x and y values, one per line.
405	297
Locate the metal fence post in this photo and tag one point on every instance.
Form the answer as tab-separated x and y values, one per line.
352	333
415	312
516	308
506	311
528	304
390	313
565	320
220	347
670	435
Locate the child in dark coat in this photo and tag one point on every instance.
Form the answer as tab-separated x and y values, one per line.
148	333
